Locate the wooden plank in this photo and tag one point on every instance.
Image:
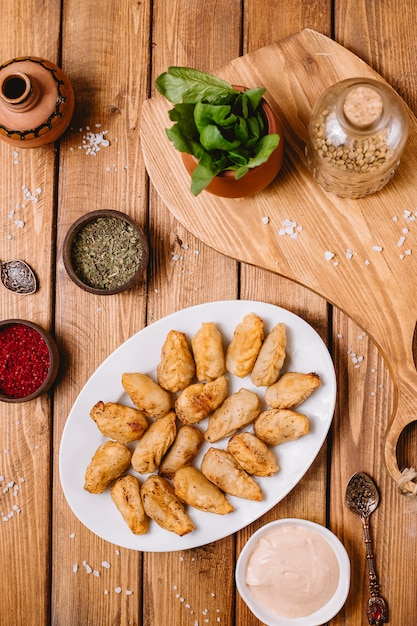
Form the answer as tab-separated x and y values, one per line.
106	49
202	35
27	232
308	499
382	37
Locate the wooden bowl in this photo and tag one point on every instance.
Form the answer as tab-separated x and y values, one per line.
67	252
48	378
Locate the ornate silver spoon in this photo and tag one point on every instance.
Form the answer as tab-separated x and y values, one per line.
18	277
362	498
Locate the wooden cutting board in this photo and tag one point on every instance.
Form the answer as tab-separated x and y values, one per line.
372	274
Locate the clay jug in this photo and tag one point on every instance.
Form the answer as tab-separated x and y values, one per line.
36	102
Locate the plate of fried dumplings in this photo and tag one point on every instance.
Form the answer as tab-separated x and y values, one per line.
197	425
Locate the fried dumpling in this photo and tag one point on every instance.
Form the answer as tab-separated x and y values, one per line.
222	469
197	401
185	447
149	451
164	507
271	357
253	454
176	368
125	493
208	351
119	422
237	411
291	390
147	395
109	462
276	426
192	487
244	348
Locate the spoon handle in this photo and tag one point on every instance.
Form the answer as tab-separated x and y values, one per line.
377	610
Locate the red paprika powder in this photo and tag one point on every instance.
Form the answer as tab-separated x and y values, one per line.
24	360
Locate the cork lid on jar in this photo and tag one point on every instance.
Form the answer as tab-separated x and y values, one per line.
363	107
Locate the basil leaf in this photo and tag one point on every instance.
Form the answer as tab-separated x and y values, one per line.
184	115
254	129
189	85
263	150
184	143
254	96
201	178
205	114
212	139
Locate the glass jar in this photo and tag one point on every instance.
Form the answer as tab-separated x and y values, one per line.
356	135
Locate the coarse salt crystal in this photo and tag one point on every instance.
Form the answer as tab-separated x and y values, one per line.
75	568
265	219
106	564
328	255
377	248
118	590
400	241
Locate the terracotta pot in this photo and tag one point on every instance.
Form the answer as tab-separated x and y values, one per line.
257	178
36	102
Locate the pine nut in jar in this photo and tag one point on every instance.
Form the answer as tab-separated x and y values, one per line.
357	132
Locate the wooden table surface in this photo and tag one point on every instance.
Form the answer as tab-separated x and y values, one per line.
112	52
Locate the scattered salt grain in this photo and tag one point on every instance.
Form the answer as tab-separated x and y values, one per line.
19	223
265	219
106	564
328	255
377	248
72	535
118	590
75	568
93	142
367	262
400	241
96	573
129	592
106	592
88	568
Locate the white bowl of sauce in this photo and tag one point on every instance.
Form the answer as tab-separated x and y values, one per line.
293	572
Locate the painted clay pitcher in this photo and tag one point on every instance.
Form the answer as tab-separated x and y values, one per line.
36	102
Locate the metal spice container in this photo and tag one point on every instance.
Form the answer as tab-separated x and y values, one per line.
356	134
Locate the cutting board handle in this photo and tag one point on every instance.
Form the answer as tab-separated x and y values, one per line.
404	414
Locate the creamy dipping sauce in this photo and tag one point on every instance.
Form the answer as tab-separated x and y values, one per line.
292	571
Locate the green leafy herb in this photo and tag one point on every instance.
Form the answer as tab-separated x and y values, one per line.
221	127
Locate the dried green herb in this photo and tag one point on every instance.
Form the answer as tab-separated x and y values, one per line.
106	253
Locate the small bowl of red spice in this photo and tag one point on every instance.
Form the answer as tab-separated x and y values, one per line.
29	360
105	252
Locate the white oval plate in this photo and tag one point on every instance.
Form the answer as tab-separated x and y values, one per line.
306	352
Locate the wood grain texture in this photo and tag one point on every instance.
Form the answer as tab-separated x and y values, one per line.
112	54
